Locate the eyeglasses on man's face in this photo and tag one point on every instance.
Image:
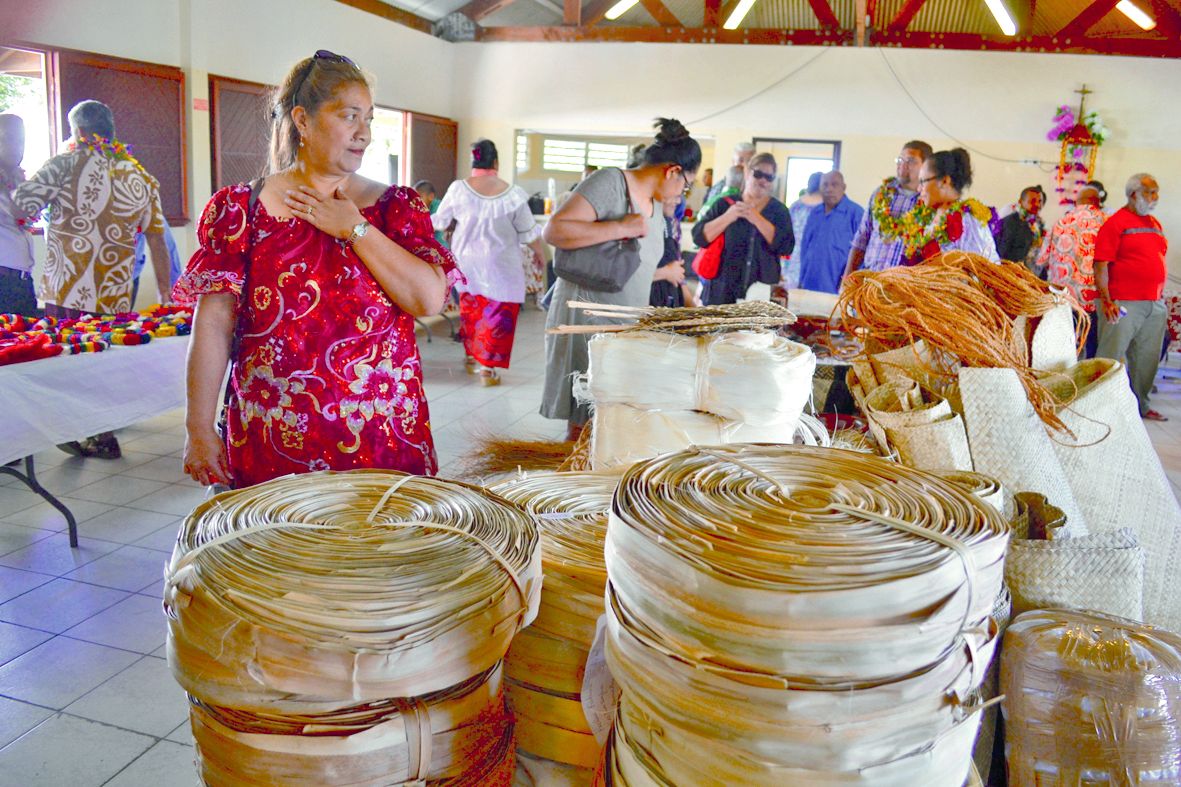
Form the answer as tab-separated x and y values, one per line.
908	160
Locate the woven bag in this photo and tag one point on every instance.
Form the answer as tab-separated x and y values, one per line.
1053	347
1117	479
1102	572
1009	441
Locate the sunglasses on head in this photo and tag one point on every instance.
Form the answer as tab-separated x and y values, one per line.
322	54
767	176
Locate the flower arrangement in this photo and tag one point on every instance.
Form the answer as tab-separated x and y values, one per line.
1065	119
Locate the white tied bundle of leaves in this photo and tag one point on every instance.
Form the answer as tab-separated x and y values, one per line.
751	377
791	614
322	591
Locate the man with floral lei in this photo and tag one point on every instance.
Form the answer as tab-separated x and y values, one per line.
876	246
98	198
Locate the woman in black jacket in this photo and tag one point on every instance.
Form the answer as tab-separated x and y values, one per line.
758	232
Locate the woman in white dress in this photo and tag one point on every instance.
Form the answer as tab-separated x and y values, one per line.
492	222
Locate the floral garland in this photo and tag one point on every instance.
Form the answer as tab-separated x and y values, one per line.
26	339
883	202
925	230
111	149
1065	120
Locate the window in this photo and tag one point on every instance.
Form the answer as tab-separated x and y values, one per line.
563	155
522	153
383	158
432	144
239	128
600	154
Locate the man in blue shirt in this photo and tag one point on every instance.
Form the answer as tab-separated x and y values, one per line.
141	256
828	236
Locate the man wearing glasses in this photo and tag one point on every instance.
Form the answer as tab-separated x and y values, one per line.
895	197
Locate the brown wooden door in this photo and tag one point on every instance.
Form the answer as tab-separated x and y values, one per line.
239	128
432	143
148	103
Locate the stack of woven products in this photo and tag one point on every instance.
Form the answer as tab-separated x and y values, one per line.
972	366
544	666
349	629
708	376
797	615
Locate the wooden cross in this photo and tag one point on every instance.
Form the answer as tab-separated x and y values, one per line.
1082	102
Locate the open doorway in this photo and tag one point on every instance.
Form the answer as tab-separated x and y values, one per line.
23	92
797	159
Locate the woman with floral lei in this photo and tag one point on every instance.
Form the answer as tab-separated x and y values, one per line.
943	220
307	283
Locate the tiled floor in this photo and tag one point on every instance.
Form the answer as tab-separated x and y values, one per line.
86	697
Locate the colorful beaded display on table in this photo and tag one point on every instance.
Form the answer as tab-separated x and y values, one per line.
27	339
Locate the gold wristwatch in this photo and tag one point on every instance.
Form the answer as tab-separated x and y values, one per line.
357	233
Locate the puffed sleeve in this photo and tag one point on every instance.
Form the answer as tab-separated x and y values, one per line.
220	263
402	217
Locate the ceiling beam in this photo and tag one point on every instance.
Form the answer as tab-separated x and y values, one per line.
1078	27
660	13
713	9
480	9
1134	46
660	35
1168	20
593	11
385	11
724	12
572	12
905	14
824	13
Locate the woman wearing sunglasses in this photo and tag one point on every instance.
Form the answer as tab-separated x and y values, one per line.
307	283
757	230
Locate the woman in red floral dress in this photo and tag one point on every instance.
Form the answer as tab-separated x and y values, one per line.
317	282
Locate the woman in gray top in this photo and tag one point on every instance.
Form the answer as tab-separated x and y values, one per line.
607	207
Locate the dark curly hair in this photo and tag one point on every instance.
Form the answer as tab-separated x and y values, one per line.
954	164
673	145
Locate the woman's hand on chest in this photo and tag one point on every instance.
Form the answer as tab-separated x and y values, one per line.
335	214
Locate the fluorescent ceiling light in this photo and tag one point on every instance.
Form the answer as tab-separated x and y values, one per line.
737	15
1002	17
1129	9
620	8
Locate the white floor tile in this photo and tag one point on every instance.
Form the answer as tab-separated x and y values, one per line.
176	500
136	623
14	582
14	537
144	698
128	568
182	734
15	640
166	764
125	525
58	605
47	517
163	539
118	490
64	750
60	671
18	498
158	444
161	468
54	555
64	479
17	718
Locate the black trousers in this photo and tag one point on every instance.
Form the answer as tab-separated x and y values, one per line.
16	294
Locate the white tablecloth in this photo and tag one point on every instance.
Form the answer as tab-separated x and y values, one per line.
55	400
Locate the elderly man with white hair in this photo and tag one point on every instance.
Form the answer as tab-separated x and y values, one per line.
743	152
1130	275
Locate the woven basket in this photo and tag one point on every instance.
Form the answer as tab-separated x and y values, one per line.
1091	699
1117	478
460	736
1009	442
1103	572
538	772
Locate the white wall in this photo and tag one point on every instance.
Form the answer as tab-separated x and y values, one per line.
998	103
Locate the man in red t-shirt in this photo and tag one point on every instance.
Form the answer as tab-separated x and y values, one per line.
1130	276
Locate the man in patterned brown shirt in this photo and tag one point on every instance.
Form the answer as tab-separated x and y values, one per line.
98	196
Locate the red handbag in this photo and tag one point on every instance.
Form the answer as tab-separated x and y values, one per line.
708	261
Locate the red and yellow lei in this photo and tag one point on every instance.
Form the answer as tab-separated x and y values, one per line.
920	229
109	148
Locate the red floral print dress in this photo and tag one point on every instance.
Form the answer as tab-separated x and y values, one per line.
327	373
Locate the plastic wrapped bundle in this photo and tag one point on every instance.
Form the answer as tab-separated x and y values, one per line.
545	663
1091	699
752	377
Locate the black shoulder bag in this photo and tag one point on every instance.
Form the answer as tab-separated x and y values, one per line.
605	267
